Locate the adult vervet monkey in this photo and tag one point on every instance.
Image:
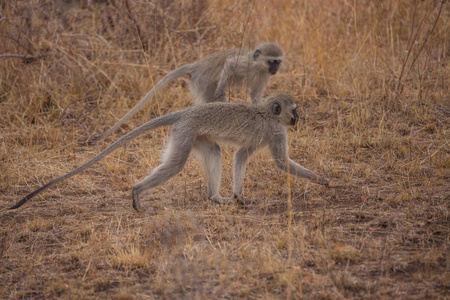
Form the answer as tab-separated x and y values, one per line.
210	76
199	128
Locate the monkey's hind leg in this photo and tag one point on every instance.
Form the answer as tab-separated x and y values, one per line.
240	166
210	154
173	162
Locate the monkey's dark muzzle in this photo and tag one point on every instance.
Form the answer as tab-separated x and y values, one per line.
274	69
274	65
294	119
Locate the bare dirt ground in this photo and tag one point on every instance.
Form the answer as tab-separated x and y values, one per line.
372	83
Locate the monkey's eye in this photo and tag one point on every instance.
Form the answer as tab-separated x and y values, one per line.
274	61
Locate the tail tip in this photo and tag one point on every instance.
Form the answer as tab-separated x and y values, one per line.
15	206
18	204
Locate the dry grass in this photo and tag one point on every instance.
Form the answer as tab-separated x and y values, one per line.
381	230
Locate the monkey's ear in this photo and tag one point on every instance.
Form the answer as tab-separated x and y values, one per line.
256	54
276	109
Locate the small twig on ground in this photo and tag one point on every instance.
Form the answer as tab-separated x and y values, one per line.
26	58
71	103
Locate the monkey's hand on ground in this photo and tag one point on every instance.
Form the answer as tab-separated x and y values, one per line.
136	203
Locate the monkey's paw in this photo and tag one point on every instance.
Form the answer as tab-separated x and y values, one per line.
218	199
136	203
138	207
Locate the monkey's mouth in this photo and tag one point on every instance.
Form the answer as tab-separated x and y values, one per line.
295	118
273	70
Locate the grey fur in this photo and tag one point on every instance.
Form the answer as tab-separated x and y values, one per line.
209	77
199	128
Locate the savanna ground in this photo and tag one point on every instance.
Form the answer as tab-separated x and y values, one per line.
371	79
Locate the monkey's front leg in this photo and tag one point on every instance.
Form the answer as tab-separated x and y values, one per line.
257	89
298	170
228	70
219	94
278	148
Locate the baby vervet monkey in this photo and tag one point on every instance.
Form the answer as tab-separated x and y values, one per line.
209	77
198	128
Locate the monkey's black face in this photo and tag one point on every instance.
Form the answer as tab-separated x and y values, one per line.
295	117
274	65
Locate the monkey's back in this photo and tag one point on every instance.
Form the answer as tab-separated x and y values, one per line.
233	123
217	60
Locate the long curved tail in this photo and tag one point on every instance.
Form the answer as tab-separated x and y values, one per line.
177	73
165	120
